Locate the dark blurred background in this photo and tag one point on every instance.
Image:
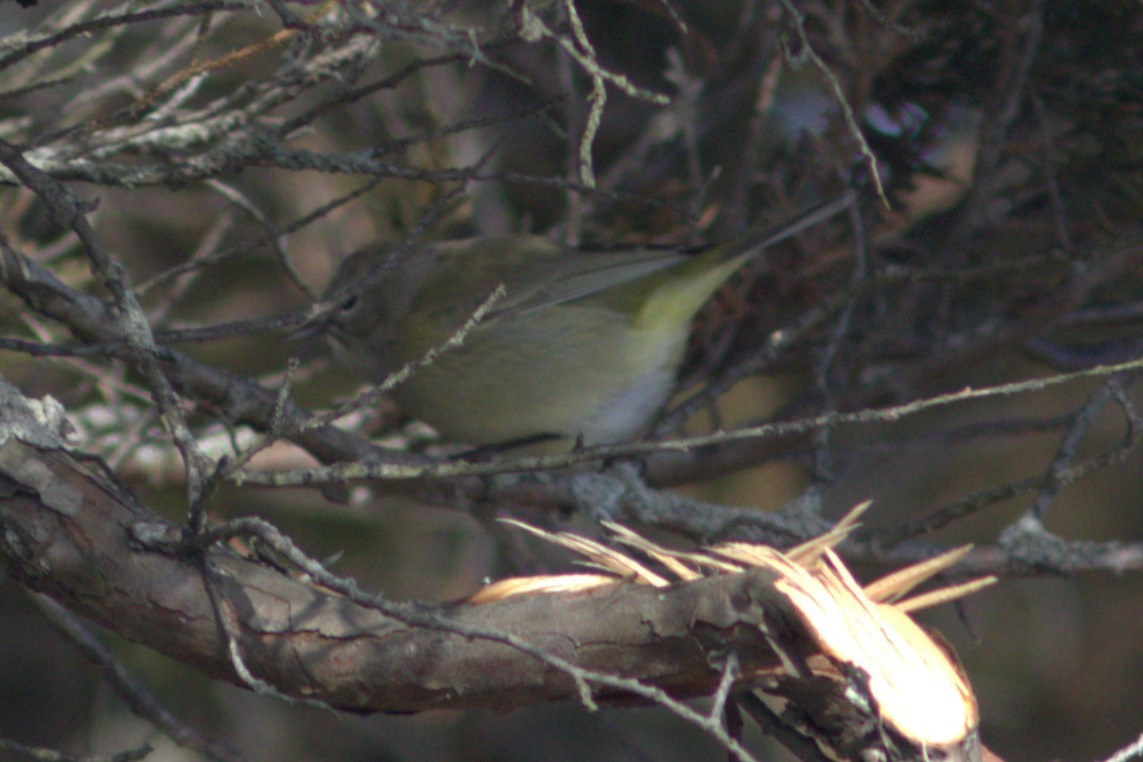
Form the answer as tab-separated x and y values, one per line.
1007	135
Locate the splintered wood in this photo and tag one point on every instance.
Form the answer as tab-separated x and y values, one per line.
865	677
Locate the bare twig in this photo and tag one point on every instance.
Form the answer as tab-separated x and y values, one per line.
142	702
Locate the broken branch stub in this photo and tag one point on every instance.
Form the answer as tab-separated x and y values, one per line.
863	678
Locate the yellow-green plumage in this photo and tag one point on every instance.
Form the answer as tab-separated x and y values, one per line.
583	345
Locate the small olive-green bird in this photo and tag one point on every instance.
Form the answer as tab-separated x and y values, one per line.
584	345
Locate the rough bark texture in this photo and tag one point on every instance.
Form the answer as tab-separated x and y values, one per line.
70	531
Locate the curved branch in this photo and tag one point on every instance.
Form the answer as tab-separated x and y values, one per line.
74	533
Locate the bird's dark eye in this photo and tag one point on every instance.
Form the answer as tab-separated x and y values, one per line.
349	302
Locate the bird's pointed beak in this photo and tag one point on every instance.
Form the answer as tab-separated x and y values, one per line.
315	323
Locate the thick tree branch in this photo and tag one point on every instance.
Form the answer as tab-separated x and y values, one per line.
72	532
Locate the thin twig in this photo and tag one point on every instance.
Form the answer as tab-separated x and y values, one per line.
142	702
